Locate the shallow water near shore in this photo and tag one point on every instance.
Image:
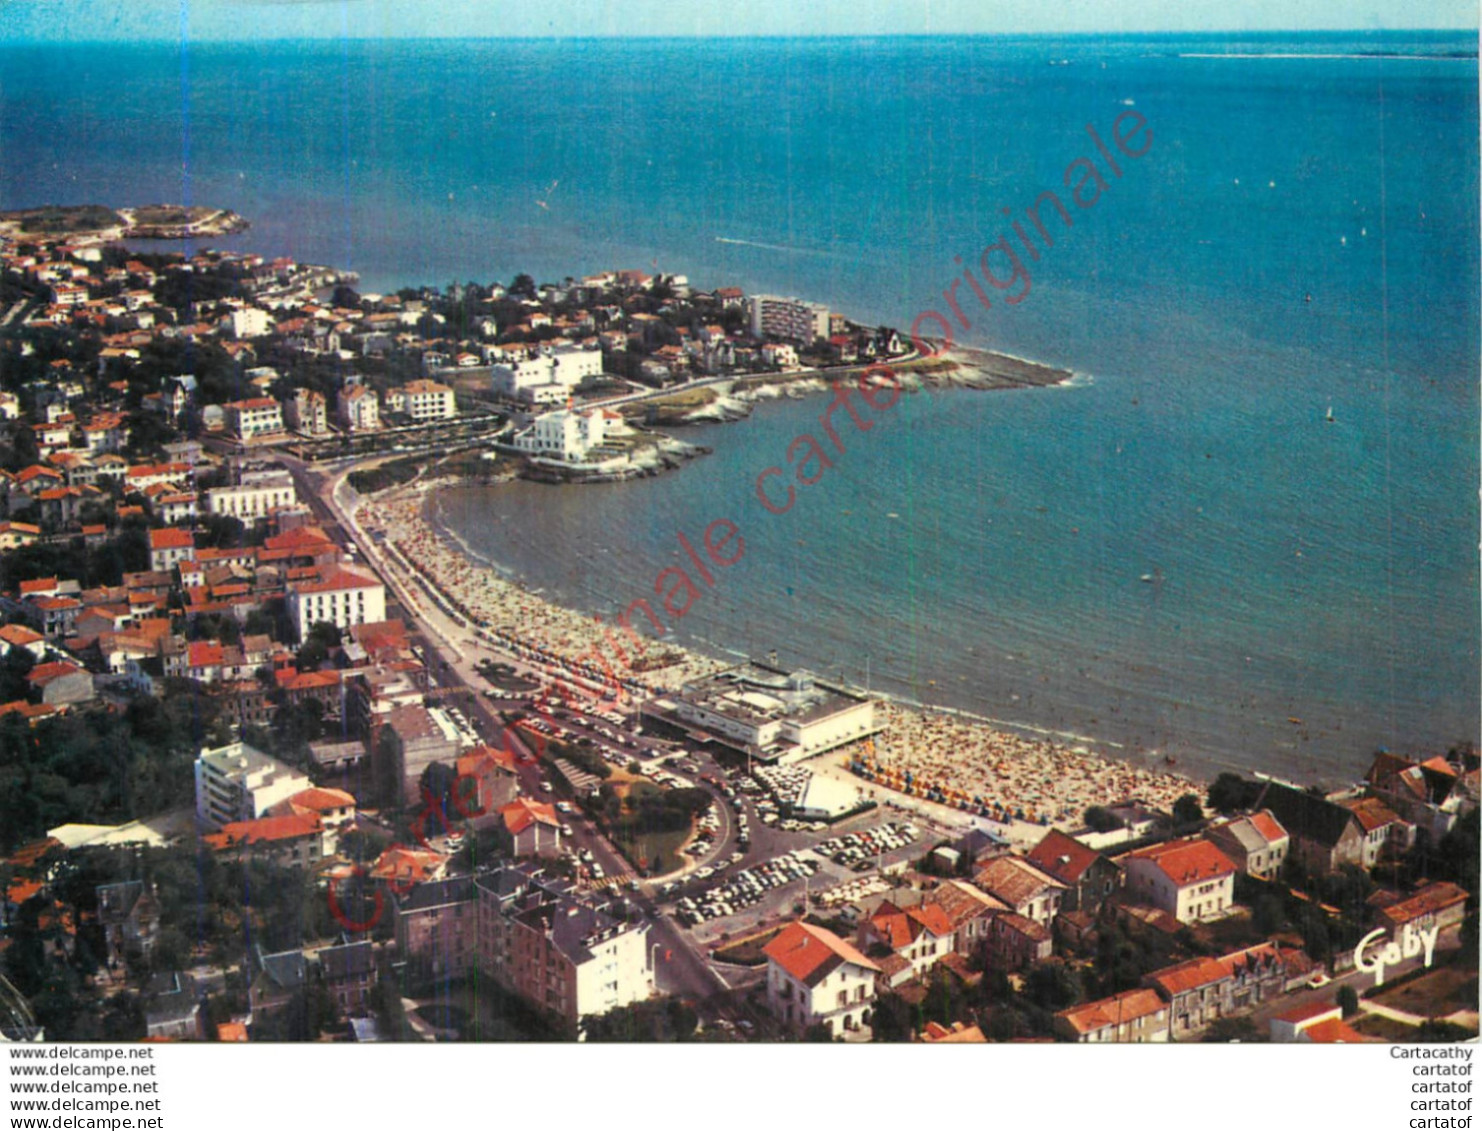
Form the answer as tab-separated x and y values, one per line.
987	551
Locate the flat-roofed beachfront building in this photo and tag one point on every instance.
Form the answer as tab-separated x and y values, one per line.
787	319
767	713
548	376
254	501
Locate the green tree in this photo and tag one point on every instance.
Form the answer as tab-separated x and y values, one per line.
1231	793
1054	985
1348	999
1187	810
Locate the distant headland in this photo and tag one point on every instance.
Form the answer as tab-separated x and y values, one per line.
149	222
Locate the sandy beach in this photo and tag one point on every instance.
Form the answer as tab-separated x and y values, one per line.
960	763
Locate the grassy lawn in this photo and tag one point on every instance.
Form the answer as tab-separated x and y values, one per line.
1435	994
1384	1028
747	951
646	847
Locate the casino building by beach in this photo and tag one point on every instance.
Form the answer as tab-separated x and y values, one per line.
771	715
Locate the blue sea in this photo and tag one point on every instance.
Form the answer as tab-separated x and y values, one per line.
1301	235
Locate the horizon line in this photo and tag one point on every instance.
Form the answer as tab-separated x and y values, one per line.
1121	33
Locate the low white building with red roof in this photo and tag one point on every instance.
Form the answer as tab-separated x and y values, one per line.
169	545
1190	878
533	827
1137	1016
1256	844
816	978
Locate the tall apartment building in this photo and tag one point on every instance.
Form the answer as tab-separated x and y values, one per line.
787	319
241	783
560	952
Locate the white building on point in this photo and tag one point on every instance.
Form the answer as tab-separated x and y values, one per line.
564	435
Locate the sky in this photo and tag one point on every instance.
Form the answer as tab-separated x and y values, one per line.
133	20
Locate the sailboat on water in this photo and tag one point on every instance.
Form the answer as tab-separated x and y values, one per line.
1330	418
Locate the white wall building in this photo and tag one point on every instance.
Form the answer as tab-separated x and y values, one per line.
563	366
359	410
422	400
341	596
250	322
259	416
252	502
240	783
563	435
307	412
816	978
1190	879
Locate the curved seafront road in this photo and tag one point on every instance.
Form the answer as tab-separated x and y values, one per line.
680	967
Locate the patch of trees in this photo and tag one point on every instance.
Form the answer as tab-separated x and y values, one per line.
1231	793
101	766
104	564
665	1020
393	473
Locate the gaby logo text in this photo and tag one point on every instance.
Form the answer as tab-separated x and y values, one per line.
1412	942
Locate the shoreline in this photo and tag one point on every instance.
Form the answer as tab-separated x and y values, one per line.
930	756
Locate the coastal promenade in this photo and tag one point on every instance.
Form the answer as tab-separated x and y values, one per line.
950	767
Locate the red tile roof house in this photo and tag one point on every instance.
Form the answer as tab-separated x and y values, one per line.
1016	941
169	545
1202	990
533	827
1027	890
916	937
1133	1017
816	978
61	683
1315	1022
1088	876
1257	845
1190	879
295	841
1441	904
